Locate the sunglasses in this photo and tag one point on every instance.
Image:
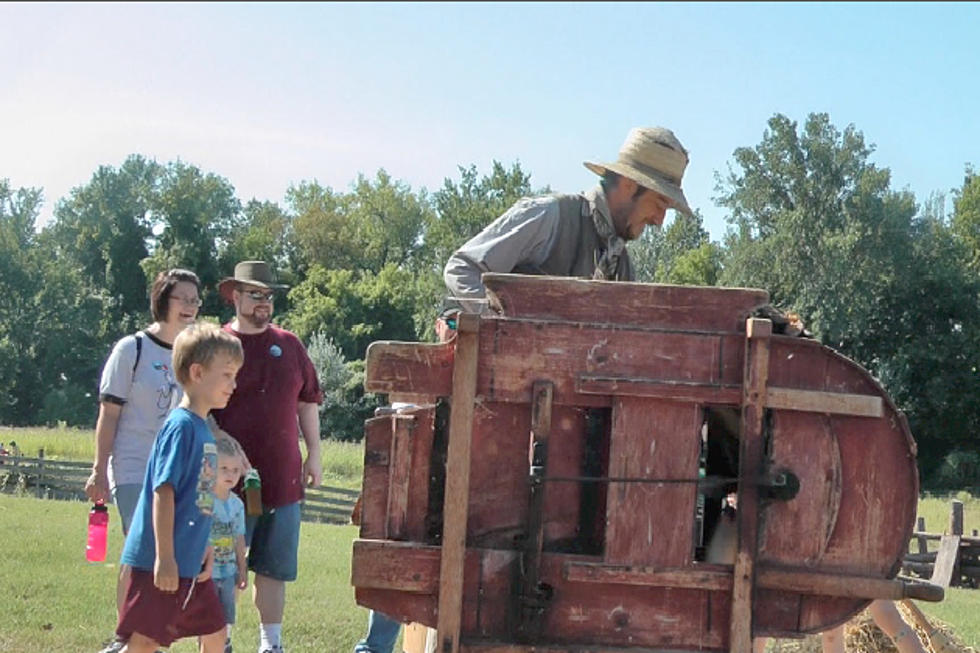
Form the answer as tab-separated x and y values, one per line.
450	322
259	296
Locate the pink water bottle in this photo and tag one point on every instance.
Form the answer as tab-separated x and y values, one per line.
98	527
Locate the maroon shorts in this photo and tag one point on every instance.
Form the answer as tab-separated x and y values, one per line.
194	609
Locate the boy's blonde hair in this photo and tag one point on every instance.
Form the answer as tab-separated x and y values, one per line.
200	343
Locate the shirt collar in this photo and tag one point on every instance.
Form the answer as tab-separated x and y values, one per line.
597	203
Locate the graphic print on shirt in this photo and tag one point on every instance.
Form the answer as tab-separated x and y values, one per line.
167	390
223	539
206	479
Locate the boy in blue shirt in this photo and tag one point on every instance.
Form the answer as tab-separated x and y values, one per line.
171	594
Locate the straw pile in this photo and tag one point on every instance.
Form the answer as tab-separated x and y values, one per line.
861	635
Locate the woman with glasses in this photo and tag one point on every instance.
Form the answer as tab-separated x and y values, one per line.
137	391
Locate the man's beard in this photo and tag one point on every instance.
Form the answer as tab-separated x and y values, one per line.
257	322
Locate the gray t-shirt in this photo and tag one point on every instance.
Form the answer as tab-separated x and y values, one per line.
146	394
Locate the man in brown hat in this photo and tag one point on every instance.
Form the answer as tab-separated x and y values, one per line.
277	389
581	235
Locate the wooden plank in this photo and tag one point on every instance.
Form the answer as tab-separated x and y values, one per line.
750	464
529	612
457	483
374	489
824	402
418	368
383	564
719	578
944	572
399	474
658	440
641	304
704	393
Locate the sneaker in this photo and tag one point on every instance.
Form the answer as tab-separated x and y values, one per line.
113	646
228	645
274	649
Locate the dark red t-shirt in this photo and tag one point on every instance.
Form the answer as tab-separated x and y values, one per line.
276	376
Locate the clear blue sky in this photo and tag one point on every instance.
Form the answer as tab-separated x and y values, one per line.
268	95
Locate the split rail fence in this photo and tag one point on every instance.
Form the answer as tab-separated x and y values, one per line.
46	478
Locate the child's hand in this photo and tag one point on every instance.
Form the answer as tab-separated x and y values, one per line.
165	575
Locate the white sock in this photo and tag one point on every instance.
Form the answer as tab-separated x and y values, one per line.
228	632
270	634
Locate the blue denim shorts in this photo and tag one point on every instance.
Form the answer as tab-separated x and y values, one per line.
226	592
273	542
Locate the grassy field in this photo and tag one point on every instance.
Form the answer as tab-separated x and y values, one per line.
54	601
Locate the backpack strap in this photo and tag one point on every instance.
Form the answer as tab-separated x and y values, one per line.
139	350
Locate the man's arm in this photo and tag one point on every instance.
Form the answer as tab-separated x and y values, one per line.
522	235
309	427
165	574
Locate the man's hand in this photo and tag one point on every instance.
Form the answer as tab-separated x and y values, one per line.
165	575
242	576
207	565
97	486
312	472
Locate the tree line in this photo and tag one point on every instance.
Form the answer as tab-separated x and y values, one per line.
888	280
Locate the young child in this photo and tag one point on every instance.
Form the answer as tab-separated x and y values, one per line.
170	593
228	532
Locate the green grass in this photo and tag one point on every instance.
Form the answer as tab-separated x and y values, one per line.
343	462
55	601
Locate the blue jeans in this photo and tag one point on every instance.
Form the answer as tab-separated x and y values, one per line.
381	634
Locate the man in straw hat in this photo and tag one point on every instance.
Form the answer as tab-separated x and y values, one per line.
581	235
277	389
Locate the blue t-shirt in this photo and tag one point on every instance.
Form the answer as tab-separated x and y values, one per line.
185	457
228	523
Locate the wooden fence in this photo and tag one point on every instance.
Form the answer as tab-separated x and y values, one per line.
956	561
46	478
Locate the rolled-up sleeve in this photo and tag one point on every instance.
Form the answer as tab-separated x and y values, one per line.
524	235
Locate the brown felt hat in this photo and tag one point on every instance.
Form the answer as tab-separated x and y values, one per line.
253	273
653	158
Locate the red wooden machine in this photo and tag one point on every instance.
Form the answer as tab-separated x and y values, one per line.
563	482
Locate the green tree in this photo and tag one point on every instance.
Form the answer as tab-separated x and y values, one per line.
195	216
966	215
680	253
814	222
101	229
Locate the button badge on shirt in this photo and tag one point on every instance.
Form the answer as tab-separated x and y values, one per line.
276	351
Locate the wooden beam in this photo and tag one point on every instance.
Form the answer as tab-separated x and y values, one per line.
457	483
839	403
944	572
719	578
750	463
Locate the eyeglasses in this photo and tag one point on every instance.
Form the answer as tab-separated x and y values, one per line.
259	296
188	301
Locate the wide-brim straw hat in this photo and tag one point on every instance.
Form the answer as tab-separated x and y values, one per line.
653	158
253	273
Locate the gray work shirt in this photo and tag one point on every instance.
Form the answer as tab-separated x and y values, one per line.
523	237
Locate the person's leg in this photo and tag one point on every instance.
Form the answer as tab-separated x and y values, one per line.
213	643
140	644
125	497
382	633
889	619
272	556
833	640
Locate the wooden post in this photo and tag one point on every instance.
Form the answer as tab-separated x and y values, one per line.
956	518
449	617
40	472
750	464
920	525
